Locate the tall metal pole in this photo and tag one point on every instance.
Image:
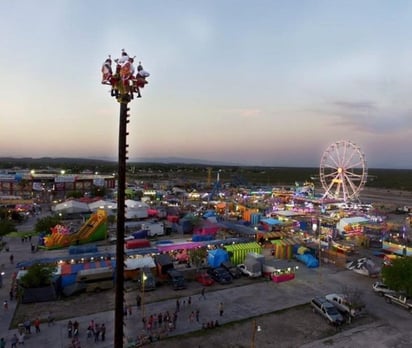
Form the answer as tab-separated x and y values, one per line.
123	84
121	187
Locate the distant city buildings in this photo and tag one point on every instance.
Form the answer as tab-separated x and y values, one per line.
48	186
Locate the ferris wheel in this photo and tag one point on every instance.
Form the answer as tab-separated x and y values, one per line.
343	172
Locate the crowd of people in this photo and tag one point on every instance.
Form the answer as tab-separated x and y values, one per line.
158	325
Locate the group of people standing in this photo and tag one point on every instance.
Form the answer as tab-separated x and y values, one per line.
125	80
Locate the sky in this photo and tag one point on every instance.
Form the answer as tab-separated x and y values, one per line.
264	82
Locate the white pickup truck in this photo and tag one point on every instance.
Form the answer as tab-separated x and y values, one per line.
344	305
327	309
400	300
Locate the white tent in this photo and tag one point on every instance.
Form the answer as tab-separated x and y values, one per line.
71	207
138	263
102	204
136	209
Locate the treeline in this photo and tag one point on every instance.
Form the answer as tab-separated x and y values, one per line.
237	175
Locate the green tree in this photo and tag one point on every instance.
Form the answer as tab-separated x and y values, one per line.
398	276
198	256
74	194
46	223
37	276
6	226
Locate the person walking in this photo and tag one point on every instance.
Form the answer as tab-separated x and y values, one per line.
221	309
138	301
21	339
5	305
37	325
2	343
11	258
14	340
103	332
202	293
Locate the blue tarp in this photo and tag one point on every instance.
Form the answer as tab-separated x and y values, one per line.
308	259
271	221
216	257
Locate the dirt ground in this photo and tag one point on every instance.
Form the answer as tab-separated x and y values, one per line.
285	329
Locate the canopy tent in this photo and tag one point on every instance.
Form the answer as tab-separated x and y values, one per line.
102	204
131	204
136	209
71	207
139	263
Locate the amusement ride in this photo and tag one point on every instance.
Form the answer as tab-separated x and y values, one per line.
343	171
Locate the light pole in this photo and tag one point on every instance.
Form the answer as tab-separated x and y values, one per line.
316	227
144	277
255	328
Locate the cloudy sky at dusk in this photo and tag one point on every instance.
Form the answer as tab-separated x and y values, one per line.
261	82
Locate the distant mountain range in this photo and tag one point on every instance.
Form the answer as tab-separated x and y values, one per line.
58	160
172	160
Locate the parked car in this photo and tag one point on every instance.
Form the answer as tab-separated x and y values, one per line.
382	289
220	275
204	279
400	300
232	269
325	308
345	305
177	279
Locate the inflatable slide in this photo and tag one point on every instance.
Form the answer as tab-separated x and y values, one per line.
94	229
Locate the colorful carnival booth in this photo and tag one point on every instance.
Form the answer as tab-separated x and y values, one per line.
397	249
238	252
279	270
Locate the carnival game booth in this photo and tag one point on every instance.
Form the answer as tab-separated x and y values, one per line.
397	249
279	270
351	226
238	252
283	248
270	224
178	252
133	265
207	231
